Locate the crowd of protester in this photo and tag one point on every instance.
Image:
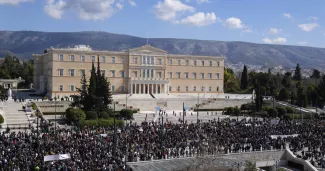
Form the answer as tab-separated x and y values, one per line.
93	148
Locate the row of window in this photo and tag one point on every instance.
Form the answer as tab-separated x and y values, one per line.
72	88
178	88
194	75
145	60
93	58
82	72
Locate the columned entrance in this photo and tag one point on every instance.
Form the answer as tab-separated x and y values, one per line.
148	88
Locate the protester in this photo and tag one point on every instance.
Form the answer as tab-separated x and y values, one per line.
91	149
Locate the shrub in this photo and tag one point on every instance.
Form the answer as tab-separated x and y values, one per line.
91	115
126	113
101	123
261	114
230	110
289	110
246	107
24	107
237	111
281	111
34	107
2	120
103	115
270	112
72	114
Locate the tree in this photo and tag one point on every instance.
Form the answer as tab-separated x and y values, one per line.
316	74
283	95
73	114
320	91
1	119
231	83
292	97
244	79
250	166
286	80
297	75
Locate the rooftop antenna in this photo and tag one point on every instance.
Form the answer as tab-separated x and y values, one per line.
147	38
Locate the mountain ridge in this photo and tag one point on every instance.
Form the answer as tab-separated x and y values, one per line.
25	43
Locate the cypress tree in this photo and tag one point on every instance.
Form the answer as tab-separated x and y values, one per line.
244	78
92	81
297	75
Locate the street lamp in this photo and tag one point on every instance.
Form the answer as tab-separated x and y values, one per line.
114	141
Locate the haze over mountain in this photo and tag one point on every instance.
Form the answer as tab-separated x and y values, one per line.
25	43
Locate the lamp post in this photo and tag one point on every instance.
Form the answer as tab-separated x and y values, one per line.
55	113
114	141
197	108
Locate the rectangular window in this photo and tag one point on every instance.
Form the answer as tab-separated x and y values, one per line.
113	60
186	88
159	74
210	63
202	63
82	72
178	88
135	60
194	75
187	62
178	75
113	88
71	72
218	63
103	59
202	88
93	58
148	72
71	87
170	88
61	88
60	57
218	88
122	60
202	75
194	88
82	58
210	76
71	57
113	73
170	75
218	76
103	73
122	88
194	62
186	75
152	73
135	74
152	60
209	88
61	72
144	60
170	62
143	73
122	74
160	61
179	62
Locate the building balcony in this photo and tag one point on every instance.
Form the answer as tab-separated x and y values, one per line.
141	80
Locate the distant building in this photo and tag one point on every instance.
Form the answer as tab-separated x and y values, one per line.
142	70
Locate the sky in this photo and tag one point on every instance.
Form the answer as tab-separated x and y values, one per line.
290	22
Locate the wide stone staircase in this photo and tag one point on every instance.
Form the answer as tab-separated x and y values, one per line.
15	117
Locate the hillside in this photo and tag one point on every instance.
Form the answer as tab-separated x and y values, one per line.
25	43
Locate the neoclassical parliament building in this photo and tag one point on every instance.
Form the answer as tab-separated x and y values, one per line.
143	70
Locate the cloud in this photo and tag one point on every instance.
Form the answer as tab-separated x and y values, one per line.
119	5
308	27
247	31
202	1
313	18
279	40
132	3
13	2
86	9
287	15
168	10
274	30
301	43
234	23
199	19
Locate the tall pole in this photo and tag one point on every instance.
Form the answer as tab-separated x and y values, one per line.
114	147
162	134
38	145
55	114
126	101
183	113
273	106
197	108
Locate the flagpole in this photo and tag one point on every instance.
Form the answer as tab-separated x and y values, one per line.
183	114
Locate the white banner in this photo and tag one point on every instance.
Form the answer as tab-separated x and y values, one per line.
283	136
275	121
57	157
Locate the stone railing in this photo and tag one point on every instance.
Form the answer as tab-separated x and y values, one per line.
307	165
